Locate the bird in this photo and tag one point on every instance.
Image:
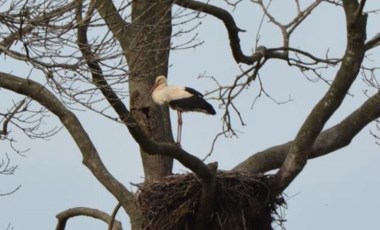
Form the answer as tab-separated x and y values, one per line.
179	98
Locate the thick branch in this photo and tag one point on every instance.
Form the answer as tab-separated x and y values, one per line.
327	142
150	147
64	216
90	155
298	152
95	69
188	160
229	22
359	9
97	75
374	42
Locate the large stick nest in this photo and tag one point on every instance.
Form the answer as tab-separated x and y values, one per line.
241	202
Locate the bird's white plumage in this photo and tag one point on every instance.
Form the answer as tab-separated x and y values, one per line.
164	93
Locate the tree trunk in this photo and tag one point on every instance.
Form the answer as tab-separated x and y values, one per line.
148	58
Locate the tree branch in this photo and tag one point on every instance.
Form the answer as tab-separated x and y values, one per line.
46	16
11	192
113	216
331	101
90	155
229	22
8	117
327	142
233	30
96	71
374	42
64	216
188	160
359	10
114	21
193	163
329	61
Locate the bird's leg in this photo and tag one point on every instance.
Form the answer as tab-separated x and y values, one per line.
179	129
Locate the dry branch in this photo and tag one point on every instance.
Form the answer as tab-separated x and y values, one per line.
232	29
327	142
298	153
90	155
64	216
118	27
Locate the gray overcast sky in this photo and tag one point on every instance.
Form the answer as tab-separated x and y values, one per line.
338	191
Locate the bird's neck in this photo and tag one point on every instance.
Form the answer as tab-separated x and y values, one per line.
159	87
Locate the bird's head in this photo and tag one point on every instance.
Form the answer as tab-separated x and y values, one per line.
160	80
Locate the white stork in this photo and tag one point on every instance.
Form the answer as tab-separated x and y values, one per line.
182	99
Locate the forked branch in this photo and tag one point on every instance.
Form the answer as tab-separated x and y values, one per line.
115	22
232	29
327	141
90	155
330	102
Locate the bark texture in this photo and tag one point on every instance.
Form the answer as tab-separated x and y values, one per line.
147	59
146	43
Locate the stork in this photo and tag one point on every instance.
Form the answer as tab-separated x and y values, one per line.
181	99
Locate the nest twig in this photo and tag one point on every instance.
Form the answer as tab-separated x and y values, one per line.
241	202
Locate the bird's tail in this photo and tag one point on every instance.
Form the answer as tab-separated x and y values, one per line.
206	107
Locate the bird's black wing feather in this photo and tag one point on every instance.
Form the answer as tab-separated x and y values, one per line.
194	103
193	91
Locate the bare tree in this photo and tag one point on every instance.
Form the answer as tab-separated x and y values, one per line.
83	54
